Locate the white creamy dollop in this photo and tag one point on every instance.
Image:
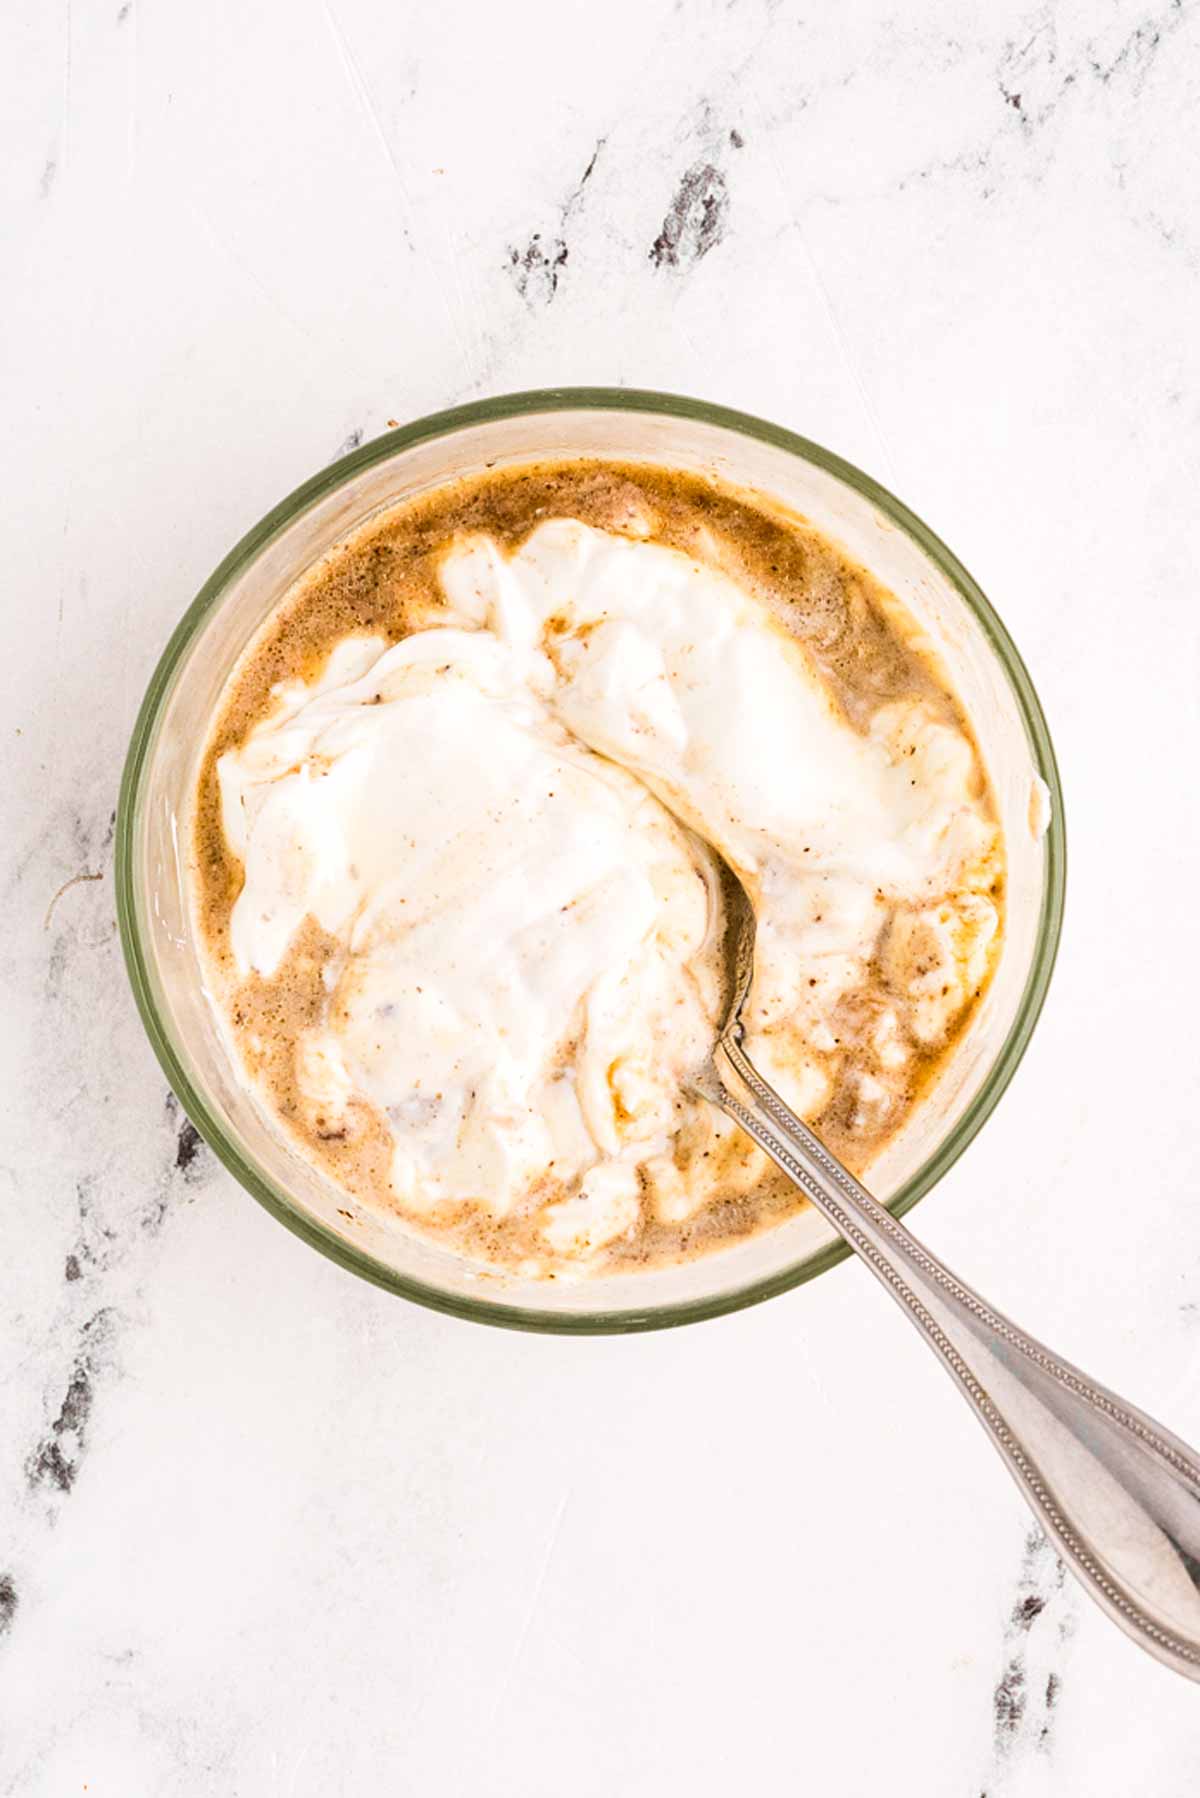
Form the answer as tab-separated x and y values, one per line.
484	816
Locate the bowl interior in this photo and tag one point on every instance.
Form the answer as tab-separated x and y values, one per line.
155	828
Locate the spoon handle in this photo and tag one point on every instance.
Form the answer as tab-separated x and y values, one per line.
1117	1494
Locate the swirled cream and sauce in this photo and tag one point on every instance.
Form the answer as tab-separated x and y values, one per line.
464	939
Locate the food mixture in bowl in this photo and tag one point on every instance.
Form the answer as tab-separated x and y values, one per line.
451	877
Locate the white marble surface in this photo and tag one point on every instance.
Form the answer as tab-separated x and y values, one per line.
265	1530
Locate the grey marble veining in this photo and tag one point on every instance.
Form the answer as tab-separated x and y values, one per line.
265	1530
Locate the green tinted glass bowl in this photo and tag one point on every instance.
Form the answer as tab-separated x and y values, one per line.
155	810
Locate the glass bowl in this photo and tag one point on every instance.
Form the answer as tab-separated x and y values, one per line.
154	824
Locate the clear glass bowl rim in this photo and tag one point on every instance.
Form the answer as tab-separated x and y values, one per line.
445	423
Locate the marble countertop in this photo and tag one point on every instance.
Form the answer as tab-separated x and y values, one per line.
267	1531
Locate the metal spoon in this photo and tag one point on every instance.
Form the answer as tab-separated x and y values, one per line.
1117	1494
